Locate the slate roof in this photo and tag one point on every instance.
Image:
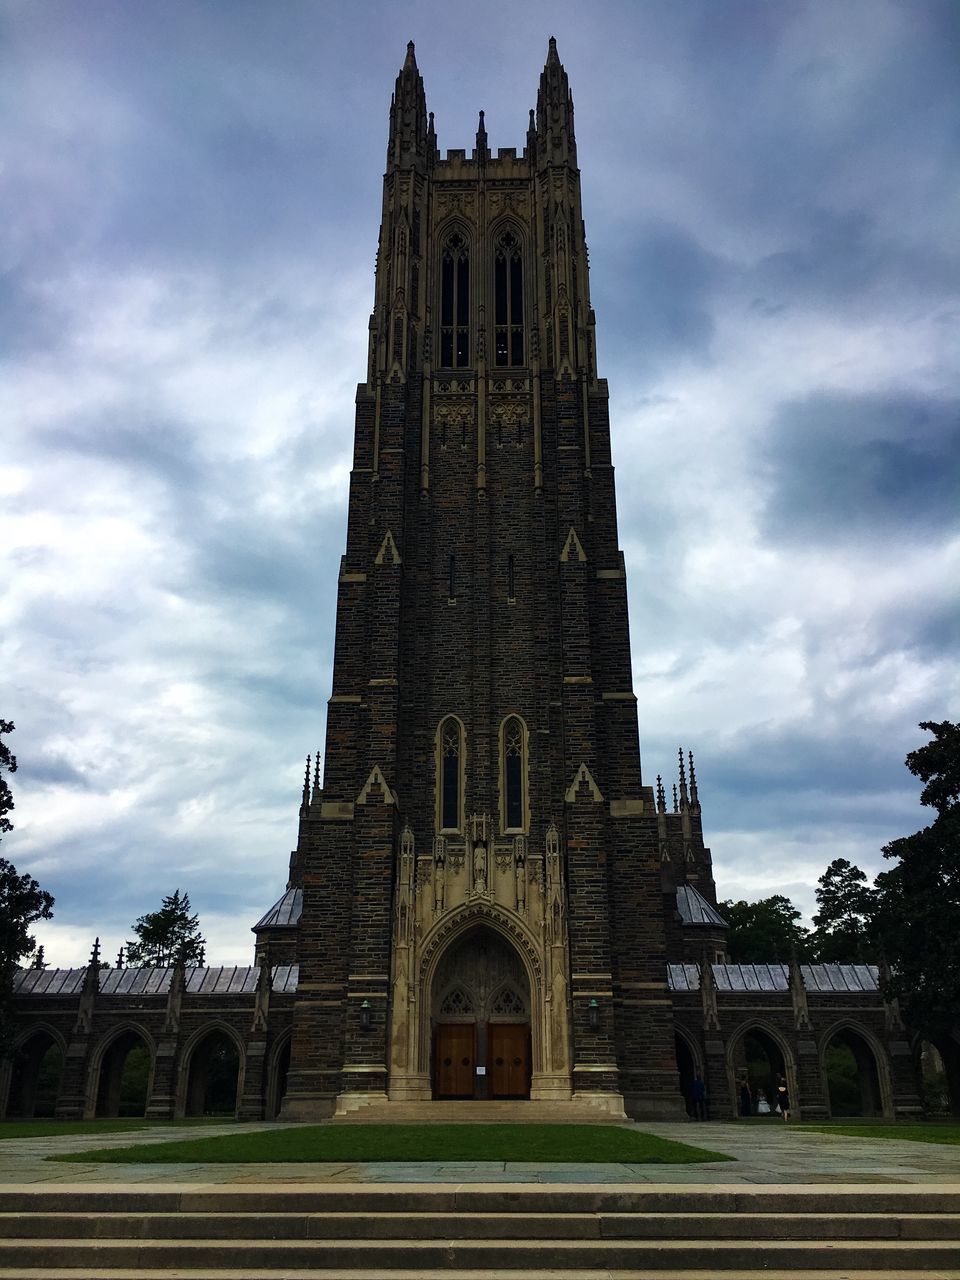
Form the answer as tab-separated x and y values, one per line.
229	980
242	980
284	914
695	909
776	977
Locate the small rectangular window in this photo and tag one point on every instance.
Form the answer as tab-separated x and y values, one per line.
452	592
511	584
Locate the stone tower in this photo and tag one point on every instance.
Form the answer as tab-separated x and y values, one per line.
483	914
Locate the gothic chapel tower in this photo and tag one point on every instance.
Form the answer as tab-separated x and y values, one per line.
482	908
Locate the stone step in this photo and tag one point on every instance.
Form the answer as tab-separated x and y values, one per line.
468	1111
457	1255
499	1226
505	1198
232	1273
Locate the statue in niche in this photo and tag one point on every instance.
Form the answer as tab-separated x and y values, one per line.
480	870
521	884
406	855
439	885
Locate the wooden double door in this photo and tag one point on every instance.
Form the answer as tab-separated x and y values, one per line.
500	1049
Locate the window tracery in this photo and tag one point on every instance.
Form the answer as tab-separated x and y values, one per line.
508	300
513	775
455	303
450	764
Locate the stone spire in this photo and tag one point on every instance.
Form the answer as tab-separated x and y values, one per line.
305	801
556	143
482	151
694	796
684	798
408	118
661	796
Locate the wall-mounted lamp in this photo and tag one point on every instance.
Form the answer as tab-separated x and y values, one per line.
593	1015
365	1016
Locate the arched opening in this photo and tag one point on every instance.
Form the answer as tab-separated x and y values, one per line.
850	1070
278	1083
758	1064
686	1070
36	1075
932	1077
124	1083
213	1078
480	1003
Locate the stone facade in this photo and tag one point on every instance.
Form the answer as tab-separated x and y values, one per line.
485	898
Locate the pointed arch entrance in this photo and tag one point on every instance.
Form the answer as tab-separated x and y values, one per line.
480	1018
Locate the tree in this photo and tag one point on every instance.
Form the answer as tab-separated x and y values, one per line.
917	920
22	903
842	925
167	935
8	762
764	932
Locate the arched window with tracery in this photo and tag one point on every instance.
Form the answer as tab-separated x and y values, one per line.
450	774
513	775
455	303
508	300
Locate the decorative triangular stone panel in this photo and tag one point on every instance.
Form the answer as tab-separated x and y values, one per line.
583	777
572	548
376	779
388	553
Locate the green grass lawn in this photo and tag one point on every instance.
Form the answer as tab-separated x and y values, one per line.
47	1128
578	1143
934	1131
55	1128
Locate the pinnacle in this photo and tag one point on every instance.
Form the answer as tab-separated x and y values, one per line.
552	55
410	61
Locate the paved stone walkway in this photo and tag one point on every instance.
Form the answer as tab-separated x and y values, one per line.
773	1154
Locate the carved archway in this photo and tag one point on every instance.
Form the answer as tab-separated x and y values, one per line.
781	1061
871	1070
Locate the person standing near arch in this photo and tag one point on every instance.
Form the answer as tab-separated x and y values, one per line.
783	1098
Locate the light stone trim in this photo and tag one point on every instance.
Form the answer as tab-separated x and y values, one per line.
628	808
336	810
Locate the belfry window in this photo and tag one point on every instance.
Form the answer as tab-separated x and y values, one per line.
450	774
508	300
513	774
455	303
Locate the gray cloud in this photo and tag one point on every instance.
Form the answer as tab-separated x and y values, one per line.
863	466
187	237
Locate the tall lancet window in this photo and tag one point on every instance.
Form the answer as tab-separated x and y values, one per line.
455	303
513	775
450	774
508	300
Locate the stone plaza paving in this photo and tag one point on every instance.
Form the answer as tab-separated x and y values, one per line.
765	1154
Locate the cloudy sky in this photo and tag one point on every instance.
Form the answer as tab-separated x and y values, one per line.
189	202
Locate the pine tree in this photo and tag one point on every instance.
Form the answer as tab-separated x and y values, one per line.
842	925
167	936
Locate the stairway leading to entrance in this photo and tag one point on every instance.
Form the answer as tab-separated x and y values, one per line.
358	1232
457	1111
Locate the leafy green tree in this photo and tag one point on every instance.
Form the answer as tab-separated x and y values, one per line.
8	764
842	925
22	903
167	935
918	909
764	932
